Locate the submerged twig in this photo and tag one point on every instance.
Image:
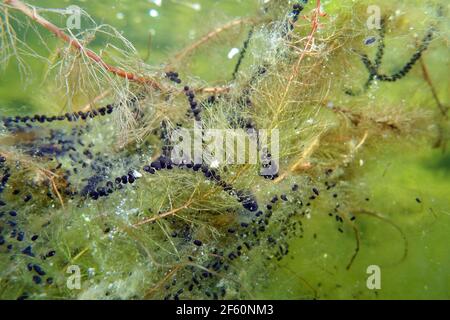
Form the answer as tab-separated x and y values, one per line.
168	213
427	77
163	280
89	105
58	194
302	162
380	217
357	238
178	57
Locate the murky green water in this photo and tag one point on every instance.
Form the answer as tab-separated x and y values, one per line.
390	182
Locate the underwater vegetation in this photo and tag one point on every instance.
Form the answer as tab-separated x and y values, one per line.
346	106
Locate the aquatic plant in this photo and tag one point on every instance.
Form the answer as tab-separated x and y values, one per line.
89	184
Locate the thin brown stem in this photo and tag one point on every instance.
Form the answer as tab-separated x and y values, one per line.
74	43
180	56
88	106
302	162
166	214
355	253
213	90
388	221
163	280
427	77
58	194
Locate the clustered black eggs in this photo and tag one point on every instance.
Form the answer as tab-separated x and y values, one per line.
261	230
97	188
57	146
297	8
164	163
195	107
373	68
173	76
74	116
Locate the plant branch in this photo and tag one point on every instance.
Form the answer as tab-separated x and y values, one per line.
166	214
74	43
427	78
